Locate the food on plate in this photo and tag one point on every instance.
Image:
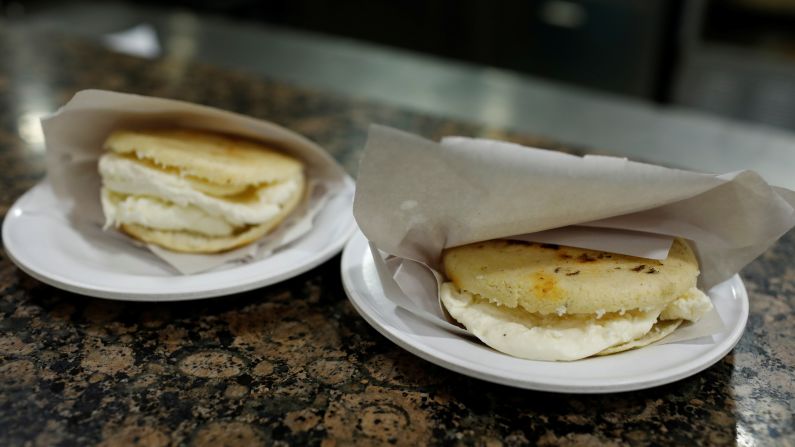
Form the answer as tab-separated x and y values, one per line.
549	302
196	191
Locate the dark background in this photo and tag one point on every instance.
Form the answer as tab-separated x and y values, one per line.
734	58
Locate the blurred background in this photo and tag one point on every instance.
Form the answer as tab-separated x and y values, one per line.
734	58
708	84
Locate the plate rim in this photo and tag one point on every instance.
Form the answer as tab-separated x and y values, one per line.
357	246
71	285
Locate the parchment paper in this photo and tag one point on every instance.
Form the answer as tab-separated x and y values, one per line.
74	136
415	197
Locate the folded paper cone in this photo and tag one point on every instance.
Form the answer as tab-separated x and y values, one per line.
75	137
416	198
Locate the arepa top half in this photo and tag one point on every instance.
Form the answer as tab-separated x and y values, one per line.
551	279
215	158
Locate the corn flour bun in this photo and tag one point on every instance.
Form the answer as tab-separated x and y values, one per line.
218	159
196	192
549	302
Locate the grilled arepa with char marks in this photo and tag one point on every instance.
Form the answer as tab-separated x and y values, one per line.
549	279
549	302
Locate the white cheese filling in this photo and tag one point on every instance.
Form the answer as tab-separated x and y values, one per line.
154	213
691	306
156	199
538	337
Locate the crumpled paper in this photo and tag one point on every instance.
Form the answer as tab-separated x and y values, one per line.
416	197
75	133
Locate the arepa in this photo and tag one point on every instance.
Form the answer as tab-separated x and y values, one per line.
549	302
196	192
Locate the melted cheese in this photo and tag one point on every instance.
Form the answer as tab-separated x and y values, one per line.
135	193
154	213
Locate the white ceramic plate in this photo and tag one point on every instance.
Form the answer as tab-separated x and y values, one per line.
631	370
84	259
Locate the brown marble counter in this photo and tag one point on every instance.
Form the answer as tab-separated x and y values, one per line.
293	363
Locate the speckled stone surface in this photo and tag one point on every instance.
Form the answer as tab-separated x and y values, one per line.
294	363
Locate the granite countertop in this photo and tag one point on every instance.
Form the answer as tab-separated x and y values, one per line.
293	363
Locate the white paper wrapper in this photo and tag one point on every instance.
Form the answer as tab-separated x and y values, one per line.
74	136
415	198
